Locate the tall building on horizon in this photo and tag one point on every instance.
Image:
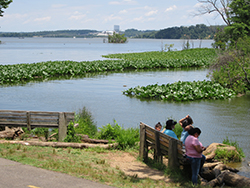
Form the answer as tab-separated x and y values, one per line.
117	28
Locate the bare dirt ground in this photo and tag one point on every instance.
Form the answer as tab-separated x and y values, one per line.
131	166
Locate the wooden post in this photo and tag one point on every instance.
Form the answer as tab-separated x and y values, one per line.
142	152
173	154
62	129
157	152
28	120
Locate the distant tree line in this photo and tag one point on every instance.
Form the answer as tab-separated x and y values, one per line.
58	33
134	33
199	31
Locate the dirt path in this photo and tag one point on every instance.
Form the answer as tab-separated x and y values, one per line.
127	163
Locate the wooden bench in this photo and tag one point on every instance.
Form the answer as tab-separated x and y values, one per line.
162	144
34	119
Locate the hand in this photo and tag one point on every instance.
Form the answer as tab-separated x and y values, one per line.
203	148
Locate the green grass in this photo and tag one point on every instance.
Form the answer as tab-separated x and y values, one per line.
92	164
229	156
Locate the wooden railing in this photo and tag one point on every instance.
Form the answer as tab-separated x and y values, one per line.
33	119
162	144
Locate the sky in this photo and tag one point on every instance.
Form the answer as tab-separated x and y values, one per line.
51	15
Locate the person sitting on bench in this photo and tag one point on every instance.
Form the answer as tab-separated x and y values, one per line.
158	126
170	124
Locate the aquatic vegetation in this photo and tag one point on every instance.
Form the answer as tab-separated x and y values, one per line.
181	91
19	73
198	57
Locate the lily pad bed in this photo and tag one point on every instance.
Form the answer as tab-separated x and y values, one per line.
181	91
22	73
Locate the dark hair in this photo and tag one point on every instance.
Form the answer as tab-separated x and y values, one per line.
185	123
158	125
170	123
192	131
189	120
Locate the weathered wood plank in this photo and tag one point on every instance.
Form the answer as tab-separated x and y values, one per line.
172	154
142	151
13	124
13	118
12	111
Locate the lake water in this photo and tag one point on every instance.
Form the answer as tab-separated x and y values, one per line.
102	93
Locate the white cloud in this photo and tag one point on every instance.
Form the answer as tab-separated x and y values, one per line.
171	8
15	16
123	12
138	19
198	5
77	16
111	18
47	18
150	13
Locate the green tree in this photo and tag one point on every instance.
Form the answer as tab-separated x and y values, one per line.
232	68
221	39
3	5
240	19
117	38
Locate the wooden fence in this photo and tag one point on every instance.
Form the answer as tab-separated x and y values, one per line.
162	144
33	119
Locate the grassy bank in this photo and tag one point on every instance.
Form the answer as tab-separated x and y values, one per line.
97	164
92	164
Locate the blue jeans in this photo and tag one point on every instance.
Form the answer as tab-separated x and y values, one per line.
195	166
203	159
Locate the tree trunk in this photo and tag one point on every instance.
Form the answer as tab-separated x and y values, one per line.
11	133
60	144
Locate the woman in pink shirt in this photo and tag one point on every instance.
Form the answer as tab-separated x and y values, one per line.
194	151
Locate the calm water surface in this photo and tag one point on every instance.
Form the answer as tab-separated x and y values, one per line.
30	50
102	93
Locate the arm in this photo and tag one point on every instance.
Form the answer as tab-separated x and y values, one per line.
198	148
181	120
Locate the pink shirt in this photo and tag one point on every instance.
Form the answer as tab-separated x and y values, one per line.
190	142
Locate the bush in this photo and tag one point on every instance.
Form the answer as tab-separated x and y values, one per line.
41	132
71	134
231	68
126	138
178	130
109	132
86	123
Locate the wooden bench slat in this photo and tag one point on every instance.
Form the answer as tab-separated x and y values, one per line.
12	118
16	124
